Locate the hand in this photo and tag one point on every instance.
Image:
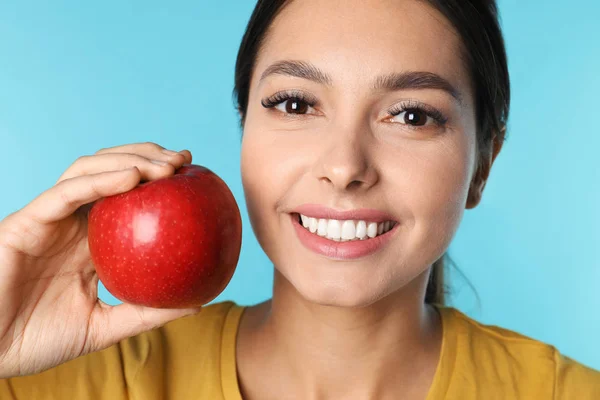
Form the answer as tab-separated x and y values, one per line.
50	311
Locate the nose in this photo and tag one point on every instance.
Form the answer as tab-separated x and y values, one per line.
346	163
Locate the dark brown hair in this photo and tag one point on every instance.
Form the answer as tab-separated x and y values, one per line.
477	23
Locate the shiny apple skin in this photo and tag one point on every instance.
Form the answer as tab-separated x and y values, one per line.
169	243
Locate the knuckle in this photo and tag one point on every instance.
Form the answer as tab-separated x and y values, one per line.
119	185
64	196
81	159
152	146
73	169
94	184
21	232
168	166
144	321
95	339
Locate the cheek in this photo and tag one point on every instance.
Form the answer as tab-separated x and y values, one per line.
255	181
433	186
441	182
268	170
272	163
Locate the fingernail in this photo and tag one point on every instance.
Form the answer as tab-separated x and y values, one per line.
159	162
169	152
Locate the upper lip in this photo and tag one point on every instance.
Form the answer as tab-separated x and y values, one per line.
364	214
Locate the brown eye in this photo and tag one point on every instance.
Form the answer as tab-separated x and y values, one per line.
292	103
414	117
295	106
415	114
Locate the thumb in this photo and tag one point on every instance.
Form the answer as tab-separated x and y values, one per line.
111	324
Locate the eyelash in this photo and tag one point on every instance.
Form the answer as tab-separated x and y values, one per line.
280	97
409	105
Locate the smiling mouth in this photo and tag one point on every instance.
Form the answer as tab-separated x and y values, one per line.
344	230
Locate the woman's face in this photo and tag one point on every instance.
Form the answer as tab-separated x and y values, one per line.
356	141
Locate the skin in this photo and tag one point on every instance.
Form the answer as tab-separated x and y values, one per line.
355	328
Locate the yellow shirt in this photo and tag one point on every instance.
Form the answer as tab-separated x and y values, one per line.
194	358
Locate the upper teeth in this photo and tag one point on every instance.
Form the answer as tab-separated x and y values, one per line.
342	231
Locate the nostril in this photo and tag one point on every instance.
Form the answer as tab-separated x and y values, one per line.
355	184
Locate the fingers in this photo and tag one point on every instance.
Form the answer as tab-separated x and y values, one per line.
65	198
147	149
110	171
126	156
111	324
150	169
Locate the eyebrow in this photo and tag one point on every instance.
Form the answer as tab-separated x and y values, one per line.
390	82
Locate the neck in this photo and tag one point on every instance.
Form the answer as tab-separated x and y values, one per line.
374	351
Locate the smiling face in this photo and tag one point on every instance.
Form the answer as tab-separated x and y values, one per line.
368	106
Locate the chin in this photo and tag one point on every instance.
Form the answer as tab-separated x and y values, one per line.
342	300
340	291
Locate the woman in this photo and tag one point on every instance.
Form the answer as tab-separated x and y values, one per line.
368	128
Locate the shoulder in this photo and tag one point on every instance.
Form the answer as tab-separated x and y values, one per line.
184	354
207	324
178	359
575	380
493	355
201	328
195	336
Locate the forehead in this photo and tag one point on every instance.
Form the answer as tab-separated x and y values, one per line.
354	40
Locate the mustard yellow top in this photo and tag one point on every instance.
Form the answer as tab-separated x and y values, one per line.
194	358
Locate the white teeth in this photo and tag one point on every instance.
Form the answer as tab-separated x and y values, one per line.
313	225
372	230
322	230
305	221
361	230
343	231
334	229
348	230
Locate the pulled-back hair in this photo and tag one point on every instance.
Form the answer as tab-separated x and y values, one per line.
478	25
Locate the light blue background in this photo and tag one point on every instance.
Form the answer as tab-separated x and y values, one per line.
79	76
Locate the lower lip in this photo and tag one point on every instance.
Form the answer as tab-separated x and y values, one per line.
341	250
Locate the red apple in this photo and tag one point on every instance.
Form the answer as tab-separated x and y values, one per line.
169	243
